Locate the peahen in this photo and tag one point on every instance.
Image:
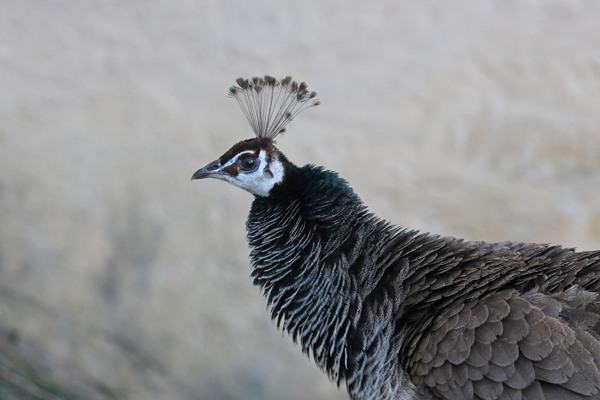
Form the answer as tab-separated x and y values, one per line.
399	314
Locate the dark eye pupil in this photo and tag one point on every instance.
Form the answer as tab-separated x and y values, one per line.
247	162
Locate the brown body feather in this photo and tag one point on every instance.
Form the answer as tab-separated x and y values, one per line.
518	323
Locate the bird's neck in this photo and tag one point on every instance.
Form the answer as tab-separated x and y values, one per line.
329	270
355	290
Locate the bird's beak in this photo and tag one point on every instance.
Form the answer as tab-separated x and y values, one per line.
212	170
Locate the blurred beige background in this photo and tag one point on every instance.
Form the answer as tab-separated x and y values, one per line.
122	279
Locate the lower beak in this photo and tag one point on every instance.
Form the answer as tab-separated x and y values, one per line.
212	169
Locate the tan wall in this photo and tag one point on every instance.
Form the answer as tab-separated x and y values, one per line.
478	119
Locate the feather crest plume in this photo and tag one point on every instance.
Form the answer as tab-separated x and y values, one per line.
270	104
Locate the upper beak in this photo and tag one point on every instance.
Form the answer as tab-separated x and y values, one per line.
212	169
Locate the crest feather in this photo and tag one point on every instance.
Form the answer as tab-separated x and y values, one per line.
270	104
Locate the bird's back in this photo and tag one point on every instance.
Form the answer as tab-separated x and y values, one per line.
524	326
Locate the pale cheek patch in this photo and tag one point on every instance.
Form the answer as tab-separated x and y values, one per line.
263	179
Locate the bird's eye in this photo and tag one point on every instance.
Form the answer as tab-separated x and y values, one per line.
247	163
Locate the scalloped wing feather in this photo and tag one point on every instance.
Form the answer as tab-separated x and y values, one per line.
509	345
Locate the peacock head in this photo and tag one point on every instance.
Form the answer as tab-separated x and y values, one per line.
256	165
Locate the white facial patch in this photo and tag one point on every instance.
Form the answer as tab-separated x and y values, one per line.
261	181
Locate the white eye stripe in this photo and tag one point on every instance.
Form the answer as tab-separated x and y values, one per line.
234	159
